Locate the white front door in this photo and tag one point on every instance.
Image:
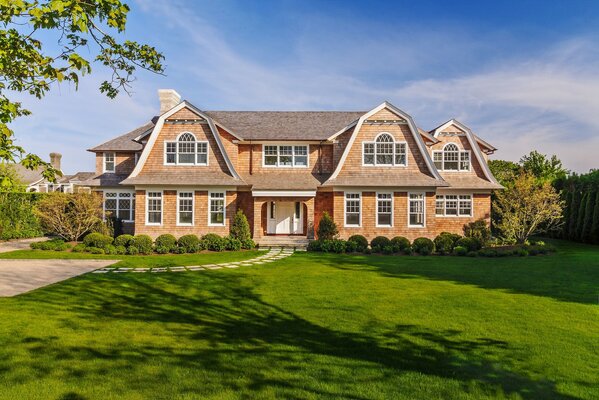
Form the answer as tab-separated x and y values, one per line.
284	217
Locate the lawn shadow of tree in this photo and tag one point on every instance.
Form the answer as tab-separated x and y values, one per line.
230	329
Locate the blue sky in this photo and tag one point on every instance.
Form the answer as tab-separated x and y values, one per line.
523	75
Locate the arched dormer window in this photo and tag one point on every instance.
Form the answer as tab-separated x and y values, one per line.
384	151
451	158
186	150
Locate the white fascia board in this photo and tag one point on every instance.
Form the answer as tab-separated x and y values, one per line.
411	125
283	193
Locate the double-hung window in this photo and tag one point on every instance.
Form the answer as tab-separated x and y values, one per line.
384	151
216	211
109	162
451	158
352	209
154	208
452	205
185	208
186	150
120	205
416	209
285	156
384	209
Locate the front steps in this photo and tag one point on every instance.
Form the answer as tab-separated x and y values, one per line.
294	242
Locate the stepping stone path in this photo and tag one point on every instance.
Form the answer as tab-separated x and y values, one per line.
273	254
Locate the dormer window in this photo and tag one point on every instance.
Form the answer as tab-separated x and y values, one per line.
451	158
385	151
285	156
186	150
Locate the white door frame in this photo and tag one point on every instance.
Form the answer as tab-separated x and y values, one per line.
274	223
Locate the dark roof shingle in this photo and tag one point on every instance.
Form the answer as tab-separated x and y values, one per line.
126	142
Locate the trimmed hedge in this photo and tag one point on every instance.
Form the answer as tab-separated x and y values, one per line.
97	240
124	240
423	246
359	243
379	243
189	244
400	244
214	242
166	243
143	244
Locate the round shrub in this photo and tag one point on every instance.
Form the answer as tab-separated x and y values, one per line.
453	236
213	242
400	244
124	240
460	251
314	245
143	243
379	243
388	250
189	243
352	247
232	243
162	249
470	243
444	244
110	249
471	253
120	250
166	242
333	246
95	250
359	242
97	240
133	250
423	246
79	248
409	250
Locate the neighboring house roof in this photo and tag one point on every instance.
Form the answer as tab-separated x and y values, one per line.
127	141
105	180
184	178
78	177
284	125
28	176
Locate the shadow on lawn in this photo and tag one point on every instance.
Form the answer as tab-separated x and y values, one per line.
571	276
255	347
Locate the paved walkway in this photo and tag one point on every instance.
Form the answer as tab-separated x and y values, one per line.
20	244
273	255
20	276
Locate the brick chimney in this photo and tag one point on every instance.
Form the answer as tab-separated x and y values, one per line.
168	99
55	160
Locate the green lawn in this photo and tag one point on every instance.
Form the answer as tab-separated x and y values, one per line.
314	326
165	260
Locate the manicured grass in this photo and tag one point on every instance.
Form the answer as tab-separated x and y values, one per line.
162	260
314	326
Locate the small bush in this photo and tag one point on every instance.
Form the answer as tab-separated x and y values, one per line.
143	243
470	243
121	250
333	246
162	249
352	247
62	247
533	251
314	245
400	244
189	243
124	240
368	251
423	246
388	250
444	244
110	249
379	243
471	253
166	242
248	244
453	236
95	250
214	242
79	248
487	253
232	243
133	250
359	242
478	230
97	240
327	229
460	251
522	252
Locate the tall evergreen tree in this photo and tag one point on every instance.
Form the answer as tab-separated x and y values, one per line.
573	213
585	235
580	216
595	225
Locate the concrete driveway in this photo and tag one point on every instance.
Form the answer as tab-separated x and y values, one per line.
20	276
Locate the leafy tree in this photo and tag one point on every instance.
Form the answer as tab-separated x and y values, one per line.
595	225
27	66
10	179
504	171
70	216
543	168
528	207
585	234
327	229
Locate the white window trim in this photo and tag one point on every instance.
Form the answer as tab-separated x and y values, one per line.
345	224
118	191
423	210
193	207
195	158
224	207
377	210
393	164
458	215
442	152
293	146
161	207
104	170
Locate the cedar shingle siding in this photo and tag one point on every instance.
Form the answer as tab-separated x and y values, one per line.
236	168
